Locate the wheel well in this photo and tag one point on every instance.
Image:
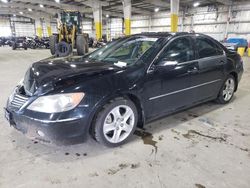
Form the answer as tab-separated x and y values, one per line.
131	97
234	74
137	103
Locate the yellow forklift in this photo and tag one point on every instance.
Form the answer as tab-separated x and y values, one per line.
70	35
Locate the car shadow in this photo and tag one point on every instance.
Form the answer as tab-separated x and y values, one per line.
90	148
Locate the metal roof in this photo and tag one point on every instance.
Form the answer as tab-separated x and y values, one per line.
114	8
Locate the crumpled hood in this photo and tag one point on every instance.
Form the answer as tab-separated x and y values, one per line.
47	72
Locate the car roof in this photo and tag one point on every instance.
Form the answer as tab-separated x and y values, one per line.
169	34
237	39
177	34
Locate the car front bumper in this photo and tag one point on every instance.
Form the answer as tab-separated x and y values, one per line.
20	45
66	131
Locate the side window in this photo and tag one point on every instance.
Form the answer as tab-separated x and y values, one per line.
180	50
207	48
220	51
145	45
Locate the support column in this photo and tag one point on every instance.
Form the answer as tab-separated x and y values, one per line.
39	29
174	15
97	11
108	27
48	25
228	21
127	16
182	21
150	23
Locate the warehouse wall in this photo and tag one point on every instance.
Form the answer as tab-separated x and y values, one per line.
116	27
26	27
23	26
4	27
88	27
206	20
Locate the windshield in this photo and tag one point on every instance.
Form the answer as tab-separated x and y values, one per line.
123	52
69	18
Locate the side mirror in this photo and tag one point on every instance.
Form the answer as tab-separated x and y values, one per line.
163	65
167	63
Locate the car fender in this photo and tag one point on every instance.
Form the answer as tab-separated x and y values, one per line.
100	103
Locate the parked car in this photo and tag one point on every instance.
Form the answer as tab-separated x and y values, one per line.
235	43
36	42
19	42
6	41
2	42
31	43
129	82
9	41
42	42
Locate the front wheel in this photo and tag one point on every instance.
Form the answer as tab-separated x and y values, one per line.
227	90
116	122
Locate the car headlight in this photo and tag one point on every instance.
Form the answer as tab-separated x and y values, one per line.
56	103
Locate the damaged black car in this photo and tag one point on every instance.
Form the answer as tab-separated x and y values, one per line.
121	86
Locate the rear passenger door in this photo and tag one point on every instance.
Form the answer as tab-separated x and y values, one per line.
211	59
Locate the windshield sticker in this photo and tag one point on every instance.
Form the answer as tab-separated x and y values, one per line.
120	64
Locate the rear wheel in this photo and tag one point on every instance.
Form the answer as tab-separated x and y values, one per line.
81	45
63	49
52	44
116	122
227	91
13	47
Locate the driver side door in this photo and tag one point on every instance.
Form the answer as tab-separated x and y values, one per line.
172	71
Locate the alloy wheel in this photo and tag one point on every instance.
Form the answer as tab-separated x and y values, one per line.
228	90
119	123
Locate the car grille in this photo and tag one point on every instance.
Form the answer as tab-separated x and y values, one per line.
18	101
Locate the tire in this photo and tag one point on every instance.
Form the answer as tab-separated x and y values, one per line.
13	47
81	45
52	44
227	91
63	49
87	48
33	46
113	114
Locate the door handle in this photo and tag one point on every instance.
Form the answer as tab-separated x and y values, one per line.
193	70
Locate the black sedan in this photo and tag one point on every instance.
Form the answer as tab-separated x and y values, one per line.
19	42
125	84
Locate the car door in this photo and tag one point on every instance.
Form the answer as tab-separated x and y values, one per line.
211	60
168	78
